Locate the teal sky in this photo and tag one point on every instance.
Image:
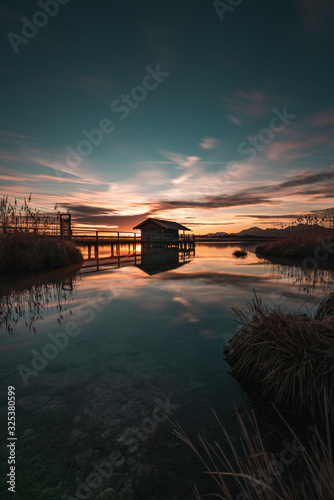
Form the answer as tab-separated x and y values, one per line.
236	131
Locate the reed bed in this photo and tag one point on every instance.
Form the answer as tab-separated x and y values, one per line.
304	236
33	252
286	359
299	247
29	240
254	473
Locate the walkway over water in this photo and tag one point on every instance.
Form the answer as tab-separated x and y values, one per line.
62	226
104	237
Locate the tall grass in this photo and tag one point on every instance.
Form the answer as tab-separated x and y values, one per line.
256	473
15	216
302	238
25	252
28	241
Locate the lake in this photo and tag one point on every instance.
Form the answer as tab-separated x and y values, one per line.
106	359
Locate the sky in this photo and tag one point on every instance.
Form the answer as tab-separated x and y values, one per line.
218	115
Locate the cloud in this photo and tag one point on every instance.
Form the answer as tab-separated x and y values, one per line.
83	210
251	104
317	16
323	118
273	216
181	161
297	145
209	143
100	216
234	119
260	195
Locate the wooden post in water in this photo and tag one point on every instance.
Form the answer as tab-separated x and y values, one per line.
97	245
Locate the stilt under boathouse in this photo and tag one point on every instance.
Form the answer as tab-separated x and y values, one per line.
165	233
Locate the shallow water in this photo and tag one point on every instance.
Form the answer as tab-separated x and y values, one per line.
98	358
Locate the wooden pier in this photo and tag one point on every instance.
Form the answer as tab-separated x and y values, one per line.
94	239
152	233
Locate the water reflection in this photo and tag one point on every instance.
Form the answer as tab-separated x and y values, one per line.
306	280
137	334
30	299
155	260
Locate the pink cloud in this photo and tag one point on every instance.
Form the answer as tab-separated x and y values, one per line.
317	16
234	120
284	151
251	104
8	156
10	15
209	143
292	150
8	133
323	119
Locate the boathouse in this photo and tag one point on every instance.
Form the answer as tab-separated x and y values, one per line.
163	231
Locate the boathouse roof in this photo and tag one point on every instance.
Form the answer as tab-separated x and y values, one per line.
167	224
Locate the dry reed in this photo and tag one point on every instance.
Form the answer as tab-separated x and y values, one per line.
255	473
286	359
21	252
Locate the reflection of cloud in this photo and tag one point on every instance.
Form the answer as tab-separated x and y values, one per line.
185	317
218	278
182	300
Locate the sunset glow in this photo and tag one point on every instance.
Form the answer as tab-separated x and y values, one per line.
197	132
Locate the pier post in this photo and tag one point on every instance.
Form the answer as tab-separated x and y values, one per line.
97	245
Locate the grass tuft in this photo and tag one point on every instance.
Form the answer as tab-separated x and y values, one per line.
286	359
252	472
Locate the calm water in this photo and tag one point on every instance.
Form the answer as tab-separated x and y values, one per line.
98	359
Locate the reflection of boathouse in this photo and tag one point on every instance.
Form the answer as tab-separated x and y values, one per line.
157	260
165	233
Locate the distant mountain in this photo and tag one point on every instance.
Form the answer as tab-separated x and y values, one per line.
217	235
273	232
256	231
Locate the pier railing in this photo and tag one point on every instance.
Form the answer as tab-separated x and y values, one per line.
61	227
119	237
